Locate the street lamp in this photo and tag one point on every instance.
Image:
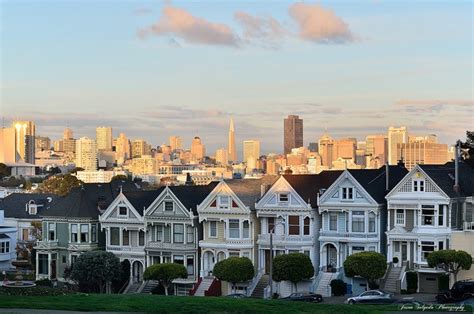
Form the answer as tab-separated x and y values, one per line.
282	222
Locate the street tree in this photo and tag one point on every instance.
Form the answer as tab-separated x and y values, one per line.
451	261
234	270
293	267
368	265
165	273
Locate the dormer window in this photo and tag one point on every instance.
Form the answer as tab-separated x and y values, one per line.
347	193
122	211
418	185
32	209
169	206
283	197
224	202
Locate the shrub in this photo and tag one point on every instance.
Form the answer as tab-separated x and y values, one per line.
44	283
165	273
338	287
293	267
443	282
368	265
234	270
33	291
412	281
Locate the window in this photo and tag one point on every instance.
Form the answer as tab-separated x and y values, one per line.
32	209
440	245
224	202
73	259
371	222
74	233
63	258
400	217
371	248
270	224
245	230
52	231
178	233
347	193
167	234
234	231
427	215
190	265
159	233
169	206
306	224
123	210
43	264
5	247
25	234
358	221
125	237
84	233
190	231
293	225
213	229
114	236
93	233
441	215
234	254
283	197
178	259
426	248
357	249
333	221
141	238
418	185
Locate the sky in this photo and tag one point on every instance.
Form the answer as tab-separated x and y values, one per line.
152	69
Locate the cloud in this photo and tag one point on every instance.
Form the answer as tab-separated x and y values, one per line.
182	24
265	30
435	102
320	25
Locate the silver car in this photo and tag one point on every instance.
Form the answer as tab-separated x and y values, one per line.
371	297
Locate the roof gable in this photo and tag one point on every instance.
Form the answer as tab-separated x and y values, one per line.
272	198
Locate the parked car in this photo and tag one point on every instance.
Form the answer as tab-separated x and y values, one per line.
461	290
305	296
237	296
371	297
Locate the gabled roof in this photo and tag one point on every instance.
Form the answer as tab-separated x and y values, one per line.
249	190
140	200
85	201
14	205
309	185
192	195
444	177
374	180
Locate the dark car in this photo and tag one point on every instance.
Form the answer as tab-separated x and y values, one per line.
305	297
461	290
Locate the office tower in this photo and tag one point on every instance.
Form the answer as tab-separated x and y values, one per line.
231	145
376	150
345	148
7	145
222	156
326	150
140	148
103	137
144	165
198	150
293	133
25	141
67	134
69	145
176	143
251	150
86	153
42	143
422	152
395	136
122	149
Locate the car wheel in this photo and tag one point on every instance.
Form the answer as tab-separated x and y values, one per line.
319	300
352	302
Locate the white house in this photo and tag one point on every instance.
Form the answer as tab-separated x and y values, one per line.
7	244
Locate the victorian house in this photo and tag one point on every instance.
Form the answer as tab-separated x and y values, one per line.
7	244
425	208
288	213
353	211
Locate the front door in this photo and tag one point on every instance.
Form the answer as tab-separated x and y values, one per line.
53	269
332	256
267	261
404	252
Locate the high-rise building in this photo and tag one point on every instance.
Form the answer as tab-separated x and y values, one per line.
25	141
422	152
42	143
345	148
7	145
122	149
293	133
86	153
67	134
222	156
104	138
396	136
326	150
176	142
69	145
376	150
198	150
140	148
144	165
231	145
251	150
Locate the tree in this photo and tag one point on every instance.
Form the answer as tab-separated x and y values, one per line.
95	270
293	267
368	265
59	184
234	270
119	177
451	261
165	273
468	148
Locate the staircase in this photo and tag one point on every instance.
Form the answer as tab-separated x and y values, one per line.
203	286
133	288
258	292
148	287
324	284
392	280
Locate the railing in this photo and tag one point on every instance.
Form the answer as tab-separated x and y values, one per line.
348	234
195	286
81	246
238	241
125	287
47	245
468	226
285	238
387	271
254	282
169	246
214	289
138	249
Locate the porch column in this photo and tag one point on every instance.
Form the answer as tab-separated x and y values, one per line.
49	266
131	271
37	265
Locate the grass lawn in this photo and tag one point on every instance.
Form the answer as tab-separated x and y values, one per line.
172	304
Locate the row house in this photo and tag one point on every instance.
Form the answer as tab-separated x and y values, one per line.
7	244
424	208
288	213
353	211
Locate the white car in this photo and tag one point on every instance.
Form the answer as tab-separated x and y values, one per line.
371	297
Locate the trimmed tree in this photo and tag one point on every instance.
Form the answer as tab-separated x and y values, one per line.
293	267
368	265
451	261
234	270
94	271
165	273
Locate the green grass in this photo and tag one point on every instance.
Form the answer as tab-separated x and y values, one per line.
172	304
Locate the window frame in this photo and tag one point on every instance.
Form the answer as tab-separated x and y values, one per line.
292	226
177	234
74	237
86	233
213	227
374	216
166	208
347	193
245	229
330	221
403	215
357	213
425	216
52	231
306	226
234	229
119	212
285	196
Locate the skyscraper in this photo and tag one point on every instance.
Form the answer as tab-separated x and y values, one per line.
376	150
222	156
251	150
231	147
140	148
176	142
122	149
67	134
326	150
293	133
24	141
104	138
86	153
7	145
345	148
422	152
198	151
396	136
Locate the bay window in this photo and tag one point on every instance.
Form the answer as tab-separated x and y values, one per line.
213	229
84	233
426	248
333	221
371	222
125	237
400	217
427	215
270	224
358	219
167	234
306	224
293	225
245	230
93	233
190	234
141	238
159	233
178	233
114	236
51	231
234	228
74	233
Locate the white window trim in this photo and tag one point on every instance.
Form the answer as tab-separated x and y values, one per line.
217	230
118	211
404	218
164	206
418	185
347	193
221	205
284	193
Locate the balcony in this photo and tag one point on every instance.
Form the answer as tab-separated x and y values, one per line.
155	245
352	235
289	239
131	249
47	245
228	243
81	246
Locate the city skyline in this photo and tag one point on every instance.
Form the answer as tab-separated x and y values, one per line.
340	82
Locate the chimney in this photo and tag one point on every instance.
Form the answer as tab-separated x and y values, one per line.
387	178
456	187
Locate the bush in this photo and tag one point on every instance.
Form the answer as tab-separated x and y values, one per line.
412	282
443	282
33	291
44	283
338	287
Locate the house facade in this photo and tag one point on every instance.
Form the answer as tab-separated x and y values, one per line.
7	244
